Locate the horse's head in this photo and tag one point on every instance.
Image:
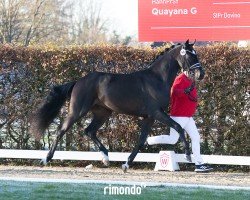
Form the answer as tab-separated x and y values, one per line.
188	60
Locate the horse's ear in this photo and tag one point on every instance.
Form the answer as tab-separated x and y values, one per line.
193	43
172	46
187	42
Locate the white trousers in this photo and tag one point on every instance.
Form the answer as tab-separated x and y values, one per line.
188	124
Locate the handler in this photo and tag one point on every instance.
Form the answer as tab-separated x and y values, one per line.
183	104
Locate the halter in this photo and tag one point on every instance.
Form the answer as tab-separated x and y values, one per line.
195	66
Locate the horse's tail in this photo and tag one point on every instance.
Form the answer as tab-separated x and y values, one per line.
43	117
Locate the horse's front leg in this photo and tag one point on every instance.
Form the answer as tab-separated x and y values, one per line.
166	119
145	129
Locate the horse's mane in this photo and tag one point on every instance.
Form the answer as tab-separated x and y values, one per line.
163	52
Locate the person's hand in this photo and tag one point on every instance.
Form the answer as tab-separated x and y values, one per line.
189	89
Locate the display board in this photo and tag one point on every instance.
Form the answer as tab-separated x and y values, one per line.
204	20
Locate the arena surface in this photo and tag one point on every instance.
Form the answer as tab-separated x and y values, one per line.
133	175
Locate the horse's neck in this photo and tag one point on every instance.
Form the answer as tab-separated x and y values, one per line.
171	75
166	68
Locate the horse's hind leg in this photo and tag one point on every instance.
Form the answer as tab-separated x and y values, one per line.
101	114
78	108
70	120
145	129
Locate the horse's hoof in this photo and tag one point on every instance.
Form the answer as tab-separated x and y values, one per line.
105	161
43	162
125	167
188	158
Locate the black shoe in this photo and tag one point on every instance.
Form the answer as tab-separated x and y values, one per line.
203	168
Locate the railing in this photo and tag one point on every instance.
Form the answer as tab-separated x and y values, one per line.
118	156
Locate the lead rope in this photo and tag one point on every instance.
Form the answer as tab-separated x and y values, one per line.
190	97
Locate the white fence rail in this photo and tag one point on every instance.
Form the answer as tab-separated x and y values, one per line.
117	156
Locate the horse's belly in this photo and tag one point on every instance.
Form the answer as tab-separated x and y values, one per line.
124	105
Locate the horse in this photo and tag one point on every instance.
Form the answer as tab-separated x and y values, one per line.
144	93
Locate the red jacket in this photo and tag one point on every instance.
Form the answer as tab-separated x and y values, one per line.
181	104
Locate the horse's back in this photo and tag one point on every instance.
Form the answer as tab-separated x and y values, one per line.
132	94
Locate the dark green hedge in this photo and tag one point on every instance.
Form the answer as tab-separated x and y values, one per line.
27	74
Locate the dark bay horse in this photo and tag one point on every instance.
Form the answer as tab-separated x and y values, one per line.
143	93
